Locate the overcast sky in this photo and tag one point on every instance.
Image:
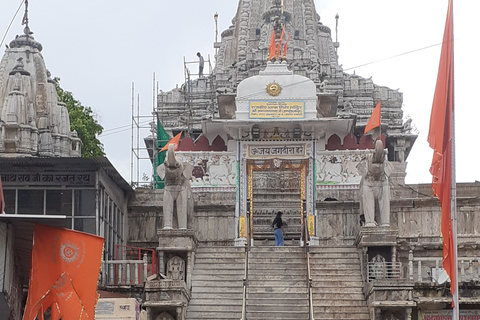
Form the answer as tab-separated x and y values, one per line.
99	48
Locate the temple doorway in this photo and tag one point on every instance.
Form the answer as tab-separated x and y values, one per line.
276	185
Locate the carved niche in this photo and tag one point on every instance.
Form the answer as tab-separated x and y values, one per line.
176	268
164	316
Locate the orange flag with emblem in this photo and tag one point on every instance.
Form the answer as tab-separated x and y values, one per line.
175	141
64	274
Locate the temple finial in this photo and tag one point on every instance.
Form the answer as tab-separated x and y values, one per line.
25	20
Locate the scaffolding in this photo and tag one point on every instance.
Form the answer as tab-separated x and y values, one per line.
141	173
179	110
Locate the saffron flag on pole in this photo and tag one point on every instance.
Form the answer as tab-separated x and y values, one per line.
374	120
272	48
280	42
64	274
175	141
440	140
285	46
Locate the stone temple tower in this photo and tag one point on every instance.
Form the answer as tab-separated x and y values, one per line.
33	122
243	52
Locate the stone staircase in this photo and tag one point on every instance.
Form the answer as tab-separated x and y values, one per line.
277	283
337	284
217	284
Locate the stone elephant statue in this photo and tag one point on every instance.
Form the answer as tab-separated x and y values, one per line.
176	174
374	187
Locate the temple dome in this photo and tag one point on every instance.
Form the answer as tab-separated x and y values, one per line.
33	122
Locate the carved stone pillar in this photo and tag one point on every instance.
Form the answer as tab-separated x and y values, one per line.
161	262
408	314
180	313
378	314
190	256
394	255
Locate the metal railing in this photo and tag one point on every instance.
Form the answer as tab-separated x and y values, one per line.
384	270
244	298
125	272
309	276
429	269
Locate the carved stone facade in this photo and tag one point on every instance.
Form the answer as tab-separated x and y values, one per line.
243	53
33	122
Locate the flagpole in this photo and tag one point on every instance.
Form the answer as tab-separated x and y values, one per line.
453	200
453	208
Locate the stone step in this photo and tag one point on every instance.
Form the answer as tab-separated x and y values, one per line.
212	304
211	315
263	296
213	266
323	249
259	248
284	315
217	290
319	294
217	277
355	315
335	302
276	267
198	296
203	283
207	248
235	272
337	261
277	289
327	283
301	275
335	274
217	284
332	269
280	305
222	260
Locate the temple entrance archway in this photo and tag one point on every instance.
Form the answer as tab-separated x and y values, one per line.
276	185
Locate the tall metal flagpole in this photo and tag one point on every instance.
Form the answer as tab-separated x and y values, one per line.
453	200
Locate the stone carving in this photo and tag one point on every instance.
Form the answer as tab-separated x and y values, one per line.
374	187
176	269
164	316
378	270
177	176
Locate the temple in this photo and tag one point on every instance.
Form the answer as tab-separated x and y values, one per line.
275	125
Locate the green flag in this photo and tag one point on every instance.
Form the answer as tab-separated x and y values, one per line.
162	140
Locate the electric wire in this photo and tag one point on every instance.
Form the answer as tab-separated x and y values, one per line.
11	22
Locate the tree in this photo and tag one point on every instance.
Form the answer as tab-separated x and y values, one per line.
82	120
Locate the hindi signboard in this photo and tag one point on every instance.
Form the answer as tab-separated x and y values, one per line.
277	109
264	151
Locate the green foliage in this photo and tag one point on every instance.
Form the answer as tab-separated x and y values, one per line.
82	120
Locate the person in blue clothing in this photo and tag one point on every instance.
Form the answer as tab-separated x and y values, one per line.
277	225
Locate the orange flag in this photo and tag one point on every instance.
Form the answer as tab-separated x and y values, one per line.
280	42
64	274
271	49
440	140
374	120
2	199
285	46
175	141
